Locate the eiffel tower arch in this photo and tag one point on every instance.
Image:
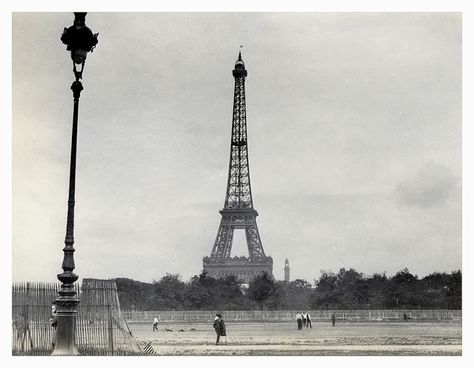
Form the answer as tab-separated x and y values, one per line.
238	211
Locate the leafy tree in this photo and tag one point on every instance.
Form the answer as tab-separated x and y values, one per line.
454	290
200	292
293	295
231	294
208	293
377	291
348	289
325	293
352	289
169	293
134	294
403	291
260	289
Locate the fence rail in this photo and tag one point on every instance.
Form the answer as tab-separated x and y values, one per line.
289	315
100	326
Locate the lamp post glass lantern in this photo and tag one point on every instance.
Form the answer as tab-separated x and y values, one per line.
79	40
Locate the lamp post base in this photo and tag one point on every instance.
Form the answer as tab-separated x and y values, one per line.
66	327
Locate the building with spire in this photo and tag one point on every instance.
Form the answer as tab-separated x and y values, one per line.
287	270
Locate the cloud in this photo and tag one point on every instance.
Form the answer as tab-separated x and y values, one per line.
432	186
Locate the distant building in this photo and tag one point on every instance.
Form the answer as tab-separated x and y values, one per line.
287	270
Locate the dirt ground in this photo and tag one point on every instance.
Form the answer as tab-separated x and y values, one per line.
283	338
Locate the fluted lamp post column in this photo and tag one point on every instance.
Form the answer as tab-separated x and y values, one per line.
79	39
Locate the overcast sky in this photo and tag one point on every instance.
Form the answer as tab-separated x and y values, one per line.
354	124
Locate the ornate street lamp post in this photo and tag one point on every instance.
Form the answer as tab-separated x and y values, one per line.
79	40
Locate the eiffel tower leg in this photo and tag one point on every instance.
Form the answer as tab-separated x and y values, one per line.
253	240
223	243
228	241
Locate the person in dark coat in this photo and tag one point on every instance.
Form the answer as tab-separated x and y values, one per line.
219	327
222	326
333	319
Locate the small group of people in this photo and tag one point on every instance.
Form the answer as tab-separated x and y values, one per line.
303	320
219	326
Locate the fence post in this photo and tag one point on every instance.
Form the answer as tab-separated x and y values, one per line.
110	331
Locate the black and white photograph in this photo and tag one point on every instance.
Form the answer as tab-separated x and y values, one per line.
236	183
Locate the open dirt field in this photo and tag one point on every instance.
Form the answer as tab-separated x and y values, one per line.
283	338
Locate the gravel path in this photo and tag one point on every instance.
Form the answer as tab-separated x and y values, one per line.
256	338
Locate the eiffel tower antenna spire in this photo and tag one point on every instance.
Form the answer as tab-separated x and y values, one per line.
238	212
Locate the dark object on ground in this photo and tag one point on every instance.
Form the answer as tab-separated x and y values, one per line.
148	349
167	329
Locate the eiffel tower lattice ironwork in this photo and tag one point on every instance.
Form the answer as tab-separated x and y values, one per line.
238	211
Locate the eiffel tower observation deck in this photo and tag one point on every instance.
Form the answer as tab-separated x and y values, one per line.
238	211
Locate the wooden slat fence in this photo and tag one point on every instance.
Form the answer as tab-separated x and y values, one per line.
100	326
289	315
104	330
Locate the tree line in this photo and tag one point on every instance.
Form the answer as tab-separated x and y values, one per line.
346	289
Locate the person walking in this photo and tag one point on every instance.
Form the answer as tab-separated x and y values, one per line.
303	315
299	320
308	320
155	324
333	319
219	327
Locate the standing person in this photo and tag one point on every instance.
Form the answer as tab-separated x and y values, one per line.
333	319
222	327
217	326
303	315
308	320
54	322
299	318
155	324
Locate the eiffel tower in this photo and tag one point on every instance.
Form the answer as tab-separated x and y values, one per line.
238	211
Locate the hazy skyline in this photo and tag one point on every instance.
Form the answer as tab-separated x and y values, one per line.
354	124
